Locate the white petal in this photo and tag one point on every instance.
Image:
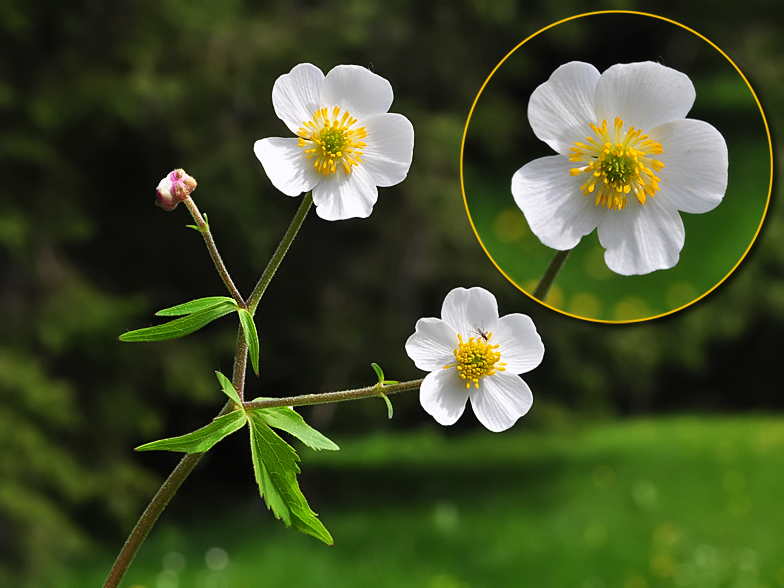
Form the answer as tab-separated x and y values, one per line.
552	202
295	95
390	148
500	400
357	90
443	395
561	109
695	164
518	342
469	310
642	238
345	195
644	94
286	166
432	345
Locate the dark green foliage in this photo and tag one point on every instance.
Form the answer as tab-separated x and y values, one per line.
202	440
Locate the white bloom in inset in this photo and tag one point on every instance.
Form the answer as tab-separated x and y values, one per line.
628	161
347	145
471	353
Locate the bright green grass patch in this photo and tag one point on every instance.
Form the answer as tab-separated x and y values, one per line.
637	504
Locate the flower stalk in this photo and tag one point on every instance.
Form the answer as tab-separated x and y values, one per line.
280	253
204	229
340	396
550	274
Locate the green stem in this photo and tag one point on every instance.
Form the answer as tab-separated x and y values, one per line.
280	253
550	273
327	397
173	482
204	229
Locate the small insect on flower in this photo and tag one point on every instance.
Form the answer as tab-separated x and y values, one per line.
482	368
481	332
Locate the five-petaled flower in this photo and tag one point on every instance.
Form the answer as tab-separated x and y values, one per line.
471	353
347	143
628	160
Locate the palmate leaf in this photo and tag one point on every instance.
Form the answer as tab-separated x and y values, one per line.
181	326
203	439
194	305
251	338
276	469
287	419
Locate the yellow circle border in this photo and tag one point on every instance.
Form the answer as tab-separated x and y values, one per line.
465	133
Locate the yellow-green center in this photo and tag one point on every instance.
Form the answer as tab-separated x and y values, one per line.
331	140
476	359
617	164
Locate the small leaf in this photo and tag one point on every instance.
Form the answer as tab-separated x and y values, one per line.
203	439
194	305
228	388
379	372
194	227
276	469
389	405
251	338
289	420
181	326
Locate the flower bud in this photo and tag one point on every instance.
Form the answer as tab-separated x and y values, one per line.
173	189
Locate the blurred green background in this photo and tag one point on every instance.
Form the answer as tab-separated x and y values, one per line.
499	141
652	456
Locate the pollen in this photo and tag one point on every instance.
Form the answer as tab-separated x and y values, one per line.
617	164
330	139
476	359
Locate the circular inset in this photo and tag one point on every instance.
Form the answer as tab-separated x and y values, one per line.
636	188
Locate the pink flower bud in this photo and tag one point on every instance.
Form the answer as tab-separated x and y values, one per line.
173	189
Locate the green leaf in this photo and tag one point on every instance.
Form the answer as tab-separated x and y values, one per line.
181	326
228	388
251	338
203	439
379	372
276	469
194	305
289	420
389	405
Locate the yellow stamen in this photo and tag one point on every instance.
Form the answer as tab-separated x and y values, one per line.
332	140
476	359
617	164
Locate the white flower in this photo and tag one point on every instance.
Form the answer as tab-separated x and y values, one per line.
471	353
628	160
347	141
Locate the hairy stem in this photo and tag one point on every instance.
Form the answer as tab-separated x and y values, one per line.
172	483
550	273
340	396
204	229
280	253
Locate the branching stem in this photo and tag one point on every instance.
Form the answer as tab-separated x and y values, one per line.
340	396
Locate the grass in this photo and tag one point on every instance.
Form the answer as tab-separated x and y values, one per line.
686	501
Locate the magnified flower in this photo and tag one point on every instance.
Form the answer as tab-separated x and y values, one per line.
628	160
347	143
471	353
